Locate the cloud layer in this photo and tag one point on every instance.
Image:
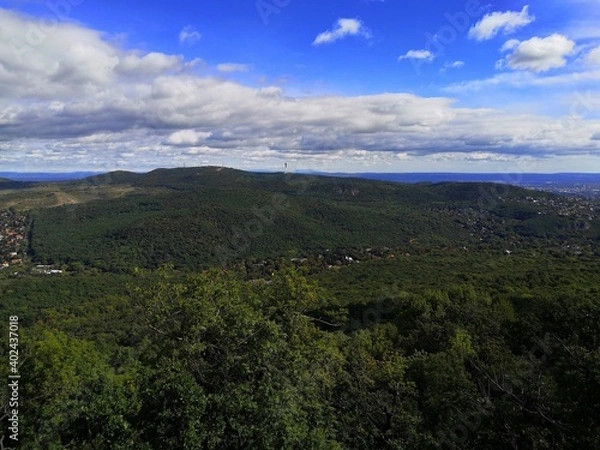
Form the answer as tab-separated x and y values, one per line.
73	99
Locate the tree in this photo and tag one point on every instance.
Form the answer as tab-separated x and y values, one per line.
232	364
72	399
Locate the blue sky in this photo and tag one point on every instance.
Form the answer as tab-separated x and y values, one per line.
343	85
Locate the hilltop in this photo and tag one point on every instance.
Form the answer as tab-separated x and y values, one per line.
198	217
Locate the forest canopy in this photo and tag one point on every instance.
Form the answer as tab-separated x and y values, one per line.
450	322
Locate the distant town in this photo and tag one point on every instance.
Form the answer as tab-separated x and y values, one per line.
12	236
591	190
13	246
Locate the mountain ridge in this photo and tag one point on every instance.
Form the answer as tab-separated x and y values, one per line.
198	217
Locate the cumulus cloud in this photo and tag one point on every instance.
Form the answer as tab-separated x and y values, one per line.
232	67
593	57
189	35
342	29
68	60
425	55
496	22
72	100
538	54
38	61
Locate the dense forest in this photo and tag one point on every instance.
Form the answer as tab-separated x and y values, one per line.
216	309
196	218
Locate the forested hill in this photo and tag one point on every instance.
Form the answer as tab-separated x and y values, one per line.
351	314
195	177
198	217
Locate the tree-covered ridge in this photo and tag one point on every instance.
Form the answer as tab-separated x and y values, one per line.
196	218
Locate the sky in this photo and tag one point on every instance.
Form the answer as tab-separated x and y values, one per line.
337	86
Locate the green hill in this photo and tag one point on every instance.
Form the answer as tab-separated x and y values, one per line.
198	217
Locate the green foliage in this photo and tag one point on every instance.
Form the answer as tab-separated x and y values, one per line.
436	339
235	365
197	218
72	398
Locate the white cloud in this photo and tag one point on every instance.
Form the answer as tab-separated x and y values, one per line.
524	80
453	65
60	59
72	101
418	54
510	45
593	57
342	28
538	54
189	35
150	64
188	137
506	22
67	60
232	67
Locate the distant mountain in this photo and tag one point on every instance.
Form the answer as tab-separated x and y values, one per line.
197	217
416	177
178	178
6	183
45	177
509	178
